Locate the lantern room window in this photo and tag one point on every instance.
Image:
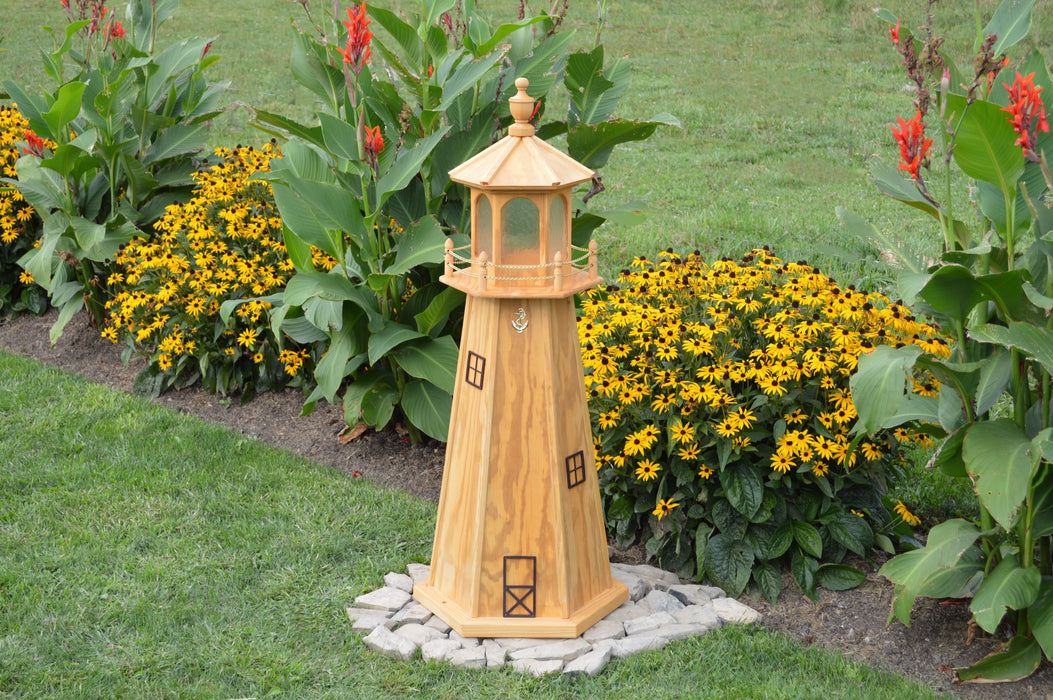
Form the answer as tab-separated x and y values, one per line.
484	227
520	232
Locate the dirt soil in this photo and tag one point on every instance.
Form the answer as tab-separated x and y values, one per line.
852	622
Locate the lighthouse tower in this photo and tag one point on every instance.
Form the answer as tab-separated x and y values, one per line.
520	546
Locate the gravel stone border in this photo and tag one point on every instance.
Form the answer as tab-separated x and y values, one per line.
660	610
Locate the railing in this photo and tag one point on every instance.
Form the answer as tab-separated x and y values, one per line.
481	269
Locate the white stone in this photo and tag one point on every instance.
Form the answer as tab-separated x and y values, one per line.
365	621
536	667
732	612
681	631
388	643
465	642
474	657
634	645
517	643
627	611
691	594
399	581
412	613
638	588
496	655
436	623
387	598
565	650
658	578
604	629
648	624
714	592
418	634
661	601
698	615
588	664
438	649
418	572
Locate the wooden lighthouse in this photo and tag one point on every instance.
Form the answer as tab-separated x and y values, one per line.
520	547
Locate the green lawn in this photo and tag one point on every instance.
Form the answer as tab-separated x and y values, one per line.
149	554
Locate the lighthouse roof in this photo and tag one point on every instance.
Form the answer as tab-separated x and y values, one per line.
521	160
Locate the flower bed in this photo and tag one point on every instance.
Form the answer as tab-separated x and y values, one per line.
720	395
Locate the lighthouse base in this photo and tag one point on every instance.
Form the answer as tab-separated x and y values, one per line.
540	627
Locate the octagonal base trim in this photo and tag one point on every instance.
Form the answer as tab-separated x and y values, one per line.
540	627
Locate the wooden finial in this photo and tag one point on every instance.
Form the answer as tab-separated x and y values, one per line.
522	108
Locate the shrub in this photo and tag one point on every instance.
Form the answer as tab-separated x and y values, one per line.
19	223
223	246
126	130
722	411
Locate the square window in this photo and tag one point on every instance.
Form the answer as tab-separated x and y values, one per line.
475	370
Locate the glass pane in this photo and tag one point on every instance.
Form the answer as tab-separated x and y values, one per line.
520	231
484	227
556	228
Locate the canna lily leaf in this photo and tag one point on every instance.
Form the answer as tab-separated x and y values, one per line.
1031	339
1010	23
985	147
1009	586
996	456
910	572
1019	659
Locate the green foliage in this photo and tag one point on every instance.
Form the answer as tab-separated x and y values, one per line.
203	298
993	289
19	224
391	128
720	395
124	134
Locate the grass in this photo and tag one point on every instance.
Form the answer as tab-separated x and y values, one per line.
149	554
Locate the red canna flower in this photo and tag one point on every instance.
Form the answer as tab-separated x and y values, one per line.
894	31
1026	113
374	144
116	31
913	146
34	144
358	37
65	4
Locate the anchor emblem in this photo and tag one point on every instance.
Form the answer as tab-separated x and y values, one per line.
520	322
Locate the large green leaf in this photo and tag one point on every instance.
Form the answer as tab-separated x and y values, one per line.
438	309
1040	617
808	538
1017	661
1010	23
63	110
432	359
729	563
1009	586
428	407
391	336
586	84
591	144
880	385
946	545
985	146
315	74
838	577
466	75
996	455
1031	339
331	286
421	243
486	45
413	47
743	487
177	140
407	166
768	580
994	379
952	290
